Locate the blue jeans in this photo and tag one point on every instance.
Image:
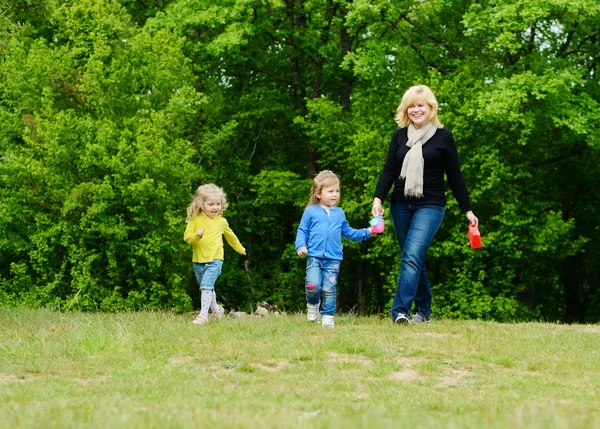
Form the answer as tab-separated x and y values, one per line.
321	279
415	226
208	273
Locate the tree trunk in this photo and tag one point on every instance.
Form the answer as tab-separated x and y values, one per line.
574	308
360	286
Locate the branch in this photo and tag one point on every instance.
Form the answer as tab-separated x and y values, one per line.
438	42
563	48
266	73
577	153
584	40
532	39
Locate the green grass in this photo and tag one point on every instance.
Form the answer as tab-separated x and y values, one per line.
157	370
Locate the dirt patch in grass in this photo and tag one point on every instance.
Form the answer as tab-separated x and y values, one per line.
456	377
9	378
180	360
219	368
270	366
406	374
92	380
338	358
410	361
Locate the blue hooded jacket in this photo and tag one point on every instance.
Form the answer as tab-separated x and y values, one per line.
322	233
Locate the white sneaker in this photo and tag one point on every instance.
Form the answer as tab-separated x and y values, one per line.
327	322
401	319
312	312
218	313
200	320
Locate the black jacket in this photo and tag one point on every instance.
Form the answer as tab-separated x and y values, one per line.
440	155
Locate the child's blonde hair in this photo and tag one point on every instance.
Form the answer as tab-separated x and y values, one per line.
410	97
200	196
324	178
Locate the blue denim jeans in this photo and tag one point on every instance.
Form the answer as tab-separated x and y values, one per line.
321	279
415	226
208	273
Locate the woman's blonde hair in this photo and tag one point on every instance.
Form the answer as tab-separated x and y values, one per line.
324	178
200	196
410	97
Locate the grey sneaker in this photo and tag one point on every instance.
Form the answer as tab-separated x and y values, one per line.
327	322
312	312
419	317
401	319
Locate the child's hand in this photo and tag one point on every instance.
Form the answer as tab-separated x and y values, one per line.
302	251
200	233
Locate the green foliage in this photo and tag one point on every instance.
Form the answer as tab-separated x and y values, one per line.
95	171
113	112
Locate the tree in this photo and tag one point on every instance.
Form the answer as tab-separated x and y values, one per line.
112	113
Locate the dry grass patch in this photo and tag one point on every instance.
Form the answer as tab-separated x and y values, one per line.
9	378
337	358
406	374
271	366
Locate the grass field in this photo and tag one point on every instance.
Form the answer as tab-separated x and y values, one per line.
157	370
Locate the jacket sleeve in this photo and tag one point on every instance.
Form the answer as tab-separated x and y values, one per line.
455	176
303	231
388	173
354	234
189	236
232	239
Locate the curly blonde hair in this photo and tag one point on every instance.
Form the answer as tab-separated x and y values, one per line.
324	178
203	191
410	97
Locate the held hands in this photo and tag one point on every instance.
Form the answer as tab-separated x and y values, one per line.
302	251
377	225
200	233
377	222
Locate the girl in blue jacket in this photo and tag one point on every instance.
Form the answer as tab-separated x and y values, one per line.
319	237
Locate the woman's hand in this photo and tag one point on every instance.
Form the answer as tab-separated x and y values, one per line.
377	209
472	218
302	251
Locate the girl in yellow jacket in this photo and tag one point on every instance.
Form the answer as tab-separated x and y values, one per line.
206	227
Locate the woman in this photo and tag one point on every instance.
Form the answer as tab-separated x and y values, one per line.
419	153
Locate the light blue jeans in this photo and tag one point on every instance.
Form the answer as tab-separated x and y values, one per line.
321	280
415	226
208	273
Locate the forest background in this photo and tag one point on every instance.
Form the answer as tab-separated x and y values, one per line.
112	112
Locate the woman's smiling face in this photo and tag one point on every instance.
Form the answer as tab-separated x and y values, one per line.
418	113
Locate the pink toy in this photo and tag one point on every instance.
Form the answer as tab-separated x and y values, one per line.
377	225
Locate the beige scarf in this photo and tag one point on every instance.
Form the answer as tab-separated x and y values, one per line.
412	167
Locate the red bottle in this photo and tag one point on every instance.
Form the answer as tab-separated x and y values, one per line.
474	237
